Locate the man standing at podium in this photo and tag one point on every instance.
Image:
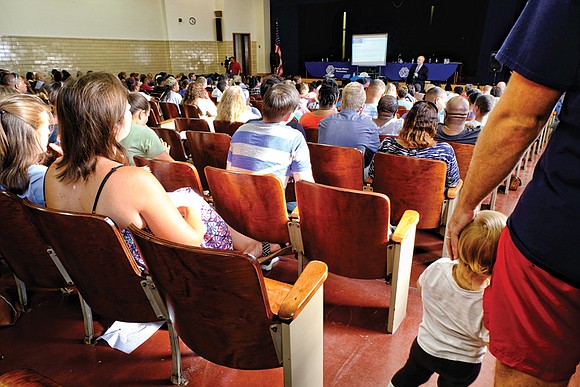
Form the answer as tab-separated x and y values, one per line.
418	74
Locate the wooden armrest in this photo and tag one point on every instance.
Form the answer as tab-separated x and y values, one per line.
285	251
453	191
311	279
408	221
277	292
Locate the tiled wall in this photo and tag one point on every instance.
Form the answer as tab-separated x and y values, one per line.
22	53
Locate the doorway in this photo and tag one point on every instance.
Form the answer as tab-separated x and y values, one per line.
243	53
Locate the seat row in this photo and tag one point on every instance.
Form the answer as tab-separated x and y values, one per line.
235	318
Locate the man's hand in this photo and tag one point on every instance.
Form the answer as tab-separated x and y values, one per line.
459	220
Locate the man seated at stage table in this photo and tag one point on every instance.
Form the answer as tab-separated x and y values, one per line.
349	128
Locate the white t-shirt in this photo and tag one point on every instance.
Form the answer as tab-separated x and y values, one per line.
391	127
452	326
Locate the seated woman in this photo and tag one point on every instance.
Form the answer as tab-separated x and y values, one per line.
327	96
197	95
93	176
234	107
142	140
416	140
24	131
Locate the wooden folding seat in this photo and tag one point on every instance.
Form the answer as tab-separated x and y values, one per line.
155	118
417	184
337	166
226	127
173	139
104	271
257	103
208	149
349	231
401	111
226	311
311	135
26	378
32	261
191	111
169	110
199	124
463	154
172	174
252	204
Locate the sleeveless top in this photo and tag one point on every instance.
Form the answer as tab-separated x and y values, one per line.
217	235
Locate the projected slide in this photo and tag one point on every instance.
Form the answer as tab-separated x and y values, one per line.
369	50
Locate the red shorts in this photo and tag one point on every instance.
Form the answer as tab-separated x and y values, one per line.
533	318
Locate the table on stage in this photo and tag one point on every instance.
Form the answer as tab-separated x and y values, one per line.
392	71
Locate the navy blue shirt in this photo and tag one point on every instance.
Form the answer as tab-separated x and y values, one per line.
544	47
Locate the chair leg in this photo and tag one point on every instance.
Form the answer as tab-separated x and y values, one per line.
22	295
302	348
176	371
88	320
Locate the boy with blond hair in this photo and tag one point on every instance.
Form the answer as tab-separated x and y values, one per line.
452	339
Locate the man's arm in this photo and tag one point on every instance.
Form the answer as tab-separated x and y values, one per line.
513	125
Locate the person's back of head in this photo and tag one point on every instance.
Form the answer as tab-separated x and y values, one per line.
485	103
138	102
232	105
434	93
458	90
391	89
375	90
353	96
195	90
420	125
10	80
402	92
91	110
486	89
496	91
280	101
388	104
472	96
456	111
477	246
202	80
448	87
222	85
24	132
328	93
268	82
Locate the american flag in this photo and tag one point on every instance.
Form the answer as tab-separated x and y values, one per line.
278	50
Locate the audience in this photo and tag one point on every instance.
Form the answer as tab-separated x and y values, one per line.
93	176
348	127
171	93
402	100
439	97
24	132
416	139
481	108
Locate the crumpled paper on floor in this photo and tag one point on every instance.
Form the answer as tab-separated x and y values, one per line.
127	337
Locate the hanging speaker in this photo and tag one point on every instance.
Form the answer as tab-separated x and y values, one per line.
495	65
218	29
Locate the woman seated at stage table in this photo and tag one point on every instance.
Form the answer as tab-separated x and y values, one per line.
24	131
234	107
327	97
416	140
197	95
94	175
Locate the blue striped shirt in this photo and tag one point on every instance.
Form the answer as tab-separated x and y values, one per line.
440	151
269	148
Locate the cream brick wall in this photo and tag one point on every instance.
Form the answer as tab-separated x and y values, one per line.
21	54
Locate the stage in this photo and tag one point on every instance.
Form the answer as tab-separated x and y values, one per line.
392	71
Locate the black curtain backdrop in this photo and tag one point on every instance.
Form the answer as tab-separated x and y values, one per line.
466	32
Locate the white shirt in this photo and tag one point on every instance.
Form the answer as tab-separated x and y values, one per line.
392	127
452	326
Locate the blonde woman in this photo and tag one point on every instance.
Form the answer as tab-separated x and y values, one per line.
234	107
24	131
